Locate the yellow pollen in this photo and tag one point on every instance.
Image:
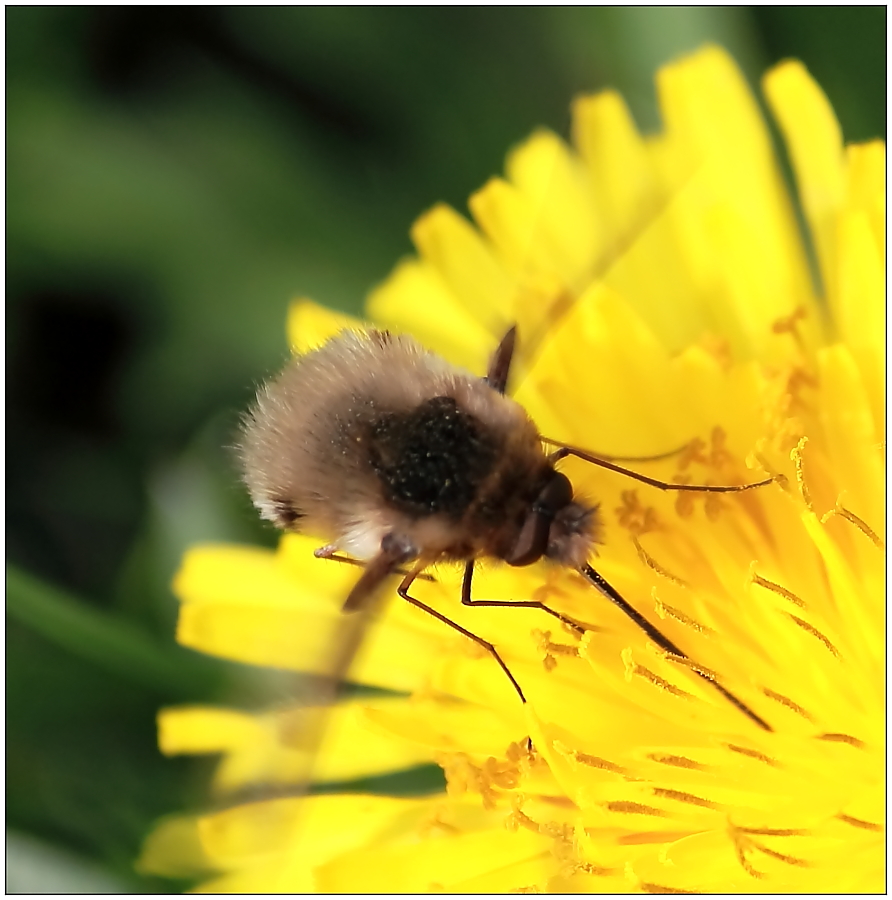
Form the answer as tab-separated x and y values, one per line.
753	754
788	703
807	626
684	797
796	456
682	762
651	563
771	586
859	523
528	889
663	610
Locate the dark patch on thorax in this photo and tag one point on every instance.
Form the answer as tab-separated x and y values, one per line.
432	459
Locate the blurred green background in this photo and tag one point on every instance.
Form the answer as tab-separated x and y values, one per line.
174	177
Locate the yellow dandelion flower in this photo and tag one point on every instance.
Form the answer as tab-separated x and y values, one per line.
662	292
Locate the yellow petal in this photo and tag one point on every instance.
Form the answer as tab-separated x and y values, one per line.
403	303
311	325
467	266
814	142
624	180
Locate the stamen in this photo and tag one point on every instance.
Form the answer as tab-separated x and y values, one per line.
796	456
858	522
634	516
719	348
783	857
517	818
630	807
684	797
740	848
788	325
650	888
842	739
758	460
753	754
591	869
859	823
693	453
719	454
807	626
596	762
771	586
786	701
435	824
775	832
651	563
528	889
682	762
663	610
713	506
702	671
684	500
655	680
551	649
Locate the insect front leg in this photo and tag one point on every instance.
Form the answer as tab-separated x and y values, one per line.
523	604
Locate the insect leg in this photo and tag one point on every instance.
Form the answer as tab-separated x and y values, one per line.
329	551
662	641
527	604
500	364
565	450
557	455
403	591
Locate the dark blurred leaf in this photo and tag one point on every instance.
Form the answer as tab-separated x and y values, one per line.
111	643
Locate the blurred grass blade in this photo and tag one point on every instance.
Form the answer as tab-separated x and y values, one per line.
107	641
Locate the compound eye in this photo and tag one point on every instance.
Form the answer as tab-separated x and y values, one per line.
532	542
555	495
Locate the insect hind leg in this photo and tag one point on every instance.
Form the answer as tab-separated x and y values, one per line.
403	591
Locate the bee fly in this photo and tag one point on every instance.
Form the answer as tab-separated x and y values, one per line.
403	460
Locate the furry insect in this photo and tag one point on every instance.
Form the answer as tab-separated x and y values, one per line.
400	458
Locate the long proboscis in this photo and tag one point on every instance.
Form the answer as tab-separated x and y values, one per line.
660	639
